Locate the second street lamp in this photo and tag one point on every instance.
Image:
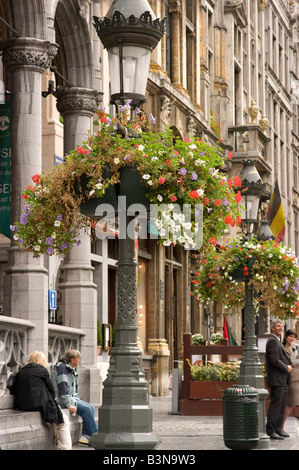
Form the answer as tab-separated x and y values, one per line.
125	418
251	372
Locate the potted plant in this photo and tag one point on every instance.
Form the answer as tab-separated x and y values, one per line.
216	338
197	339
170	172
273	275
99	338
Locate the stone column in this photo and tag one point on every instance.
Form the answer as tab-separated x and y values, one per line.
157	345
79	296
175	10
26	282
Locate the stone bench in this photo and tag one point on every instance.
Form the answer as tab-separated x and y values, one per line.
26	430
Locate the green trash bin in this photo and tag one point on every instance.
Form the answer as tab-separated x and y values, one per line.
240	417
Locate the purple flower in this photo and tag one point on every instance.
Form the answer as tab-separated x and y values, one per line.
23	219
183	171
59	217
50	250
224	202
12	228
194	176
78	242
127	157
153	119
49	240
63	246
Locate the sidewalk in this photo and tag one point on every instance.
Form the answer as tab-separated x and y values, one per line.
203	432
195	433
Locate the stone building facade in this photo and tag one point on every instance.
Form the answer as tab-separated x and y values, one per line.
225	71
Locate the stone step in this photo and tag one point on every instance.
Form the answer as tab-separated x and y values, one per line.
26	430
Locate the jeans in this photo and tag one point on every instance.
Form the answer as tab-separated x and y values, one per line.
86	411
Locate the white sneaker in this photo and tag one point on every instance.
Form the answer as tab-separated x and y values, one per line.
84	439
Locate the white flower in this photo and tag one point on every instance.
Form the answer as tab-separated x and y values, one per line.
159	197
91	192
57	223
146	177
116	160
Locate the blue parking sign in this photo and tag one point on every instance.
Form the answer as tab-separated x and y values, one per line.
52	299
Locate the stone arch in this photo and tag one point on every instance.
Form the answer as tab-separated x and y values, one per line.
74	59
29	18
176	133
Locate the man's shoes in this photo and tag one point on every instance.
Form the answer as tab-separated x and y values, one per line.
84	439
276	436
283	434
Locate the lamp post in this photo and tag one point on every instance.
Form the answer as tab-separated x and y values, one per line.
251	372
125	418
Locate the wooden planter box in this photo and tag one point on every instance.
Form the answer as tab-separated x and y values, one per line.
208	390
205	398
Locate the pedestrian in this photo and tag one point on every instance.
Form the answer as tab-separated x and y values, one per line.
278	370
65	380
33	391
293	394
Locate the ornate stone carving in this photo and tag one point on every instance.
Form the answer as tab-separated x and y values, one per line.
166	106
191	126
253	112
264	123
27	53
77	99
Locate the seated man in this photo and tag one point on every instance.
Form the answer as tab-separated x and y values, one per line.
65	380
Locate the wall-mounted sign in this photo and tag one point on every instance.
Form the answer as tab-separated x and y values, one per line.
5	168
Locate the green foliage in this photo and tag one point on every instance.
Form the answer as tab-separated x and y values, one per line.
224	372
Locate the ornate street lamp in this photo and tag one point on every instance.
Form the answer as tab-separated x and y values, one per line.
251	372
252	189
125	418
129	32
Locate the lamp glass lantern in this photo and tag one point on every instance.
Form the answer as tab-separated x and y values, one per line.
129	32
252	188
128	65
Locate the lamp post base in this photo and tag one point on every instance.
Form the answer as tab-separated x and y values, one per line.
123	441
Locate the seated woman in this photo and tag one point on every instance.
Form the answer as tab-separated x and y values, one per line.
33	391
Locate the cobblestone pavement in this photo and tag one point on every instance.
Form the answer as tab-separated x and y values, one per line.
196	433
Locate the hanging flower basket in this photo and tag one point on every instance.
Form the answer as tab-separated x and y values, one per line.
165	173
269	267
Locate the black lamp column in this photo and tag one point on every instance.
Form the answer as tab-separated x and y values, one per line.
129	32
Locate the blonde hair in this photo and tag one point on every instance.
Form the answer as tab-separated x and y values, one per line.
38	357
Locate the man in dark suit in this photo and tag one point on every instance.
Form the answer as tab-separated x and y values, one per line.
278	370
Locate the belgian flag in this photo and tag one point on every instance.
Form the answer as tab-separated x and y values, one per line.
228	334
275	215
